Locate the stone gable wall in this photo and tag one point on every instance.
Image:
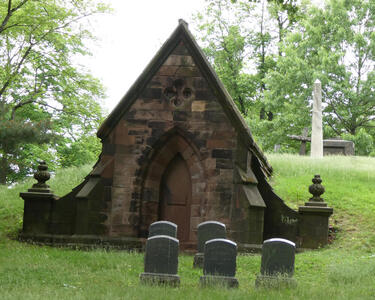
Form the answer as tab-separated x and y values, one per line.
178	96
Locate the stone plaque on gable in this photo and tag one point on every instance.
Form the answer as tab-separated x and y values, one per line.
161	260
207	231
163	228
220	263
277	262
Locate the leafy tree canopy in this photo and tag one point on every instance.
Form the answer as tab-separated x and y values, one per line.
45	95
335	45
241	39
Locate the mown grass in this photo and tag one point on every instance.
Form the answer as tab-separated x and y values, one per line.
343	270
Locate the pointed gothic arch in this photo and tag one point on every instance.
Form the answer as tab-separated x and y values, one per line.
174	155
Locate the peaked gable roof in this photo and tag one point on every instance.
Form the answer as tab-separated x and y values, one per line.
182	33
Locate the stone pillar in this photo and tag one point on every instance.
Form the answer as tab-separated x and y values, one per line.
317	124
38	204
314	218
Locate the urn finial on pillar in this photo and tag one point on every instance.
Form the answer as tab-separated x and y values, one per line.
39	201
314	217
316	189
42	175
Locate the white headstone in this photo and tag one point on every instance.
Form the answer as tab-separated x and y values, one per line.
317	124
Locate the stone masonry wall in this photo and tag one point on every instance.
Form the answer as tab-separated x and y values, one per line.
178	96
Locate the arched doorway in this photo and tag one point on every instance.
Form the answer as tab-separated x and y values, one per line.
173	168
175	196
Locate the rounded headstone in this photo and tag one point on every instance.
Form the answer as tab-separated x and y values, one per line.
210	230
220	258
163	228
161	255
278	257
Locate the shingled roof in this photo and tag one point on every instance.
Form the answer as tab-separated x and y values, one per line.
182	33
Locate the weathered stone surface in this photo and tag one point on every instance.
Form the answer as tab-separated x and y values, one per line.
277	267
198	106
338	147
277	257
161	260
161	255
210	230
314	217
317	123
220	257
207	231
220	263
163	228
314	225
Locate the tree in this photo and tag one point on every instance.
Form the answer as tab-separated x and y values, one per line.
335	45
224	33
241	39
44	95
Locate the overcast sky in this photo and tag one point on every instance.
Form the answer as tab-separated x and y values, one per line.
130	37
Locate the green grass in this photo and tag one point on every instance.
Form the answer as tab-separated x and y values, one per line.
343	270
350	189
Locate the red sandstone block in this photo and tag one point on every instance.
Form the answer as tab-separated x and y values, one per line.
195	211
156	171
164	156
122	138
167	71
213	199
121	181
196	169
194	222
226	175
214	212
131	218
212	173
123	230
209	163
152	184
196	198
187	153
211	186
188	72
193	235
220	143
149	219
117	217
199	187
225	134
179	60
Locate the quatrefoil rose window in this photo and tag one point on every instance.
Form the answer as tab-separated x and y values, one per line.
177	92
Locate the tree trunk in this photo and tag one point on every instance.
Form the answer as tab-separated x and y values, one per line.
242	106
3	169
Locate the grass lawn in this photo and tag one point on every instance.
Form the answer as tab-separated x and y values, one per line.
343	270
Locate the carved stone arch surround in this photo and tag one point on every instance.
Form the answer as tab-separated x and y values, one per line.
174	142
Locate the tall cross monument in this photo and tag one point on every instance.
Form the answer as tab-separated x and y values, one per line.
317	127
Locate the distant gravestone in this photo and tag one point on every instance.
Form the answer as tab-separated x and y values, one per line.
219	263
161	261
207	231
277	265
317	123
338	147
163	228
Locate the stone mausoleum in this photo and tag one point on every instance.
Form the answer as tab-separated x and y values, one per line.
175	148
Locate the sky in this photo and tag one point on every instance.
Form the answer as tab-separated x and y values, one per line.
130	37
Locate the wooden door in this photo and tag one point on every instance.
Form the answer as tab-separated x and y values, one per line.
175	196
